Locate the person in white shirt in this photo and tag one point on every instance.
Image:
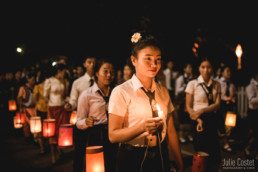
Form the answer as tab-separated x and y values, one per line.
183	116
252	95
170	78
202	102
54	92
228	103
78	86
134	121
92	114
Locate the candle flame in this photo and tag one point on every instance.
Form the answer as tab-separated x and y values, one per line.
239	51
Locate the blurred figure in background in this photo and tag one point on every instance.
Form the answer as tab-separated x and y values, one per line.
202	102
79	85
25	101
170	75
252	95
228	103
41	106
55	96
183	116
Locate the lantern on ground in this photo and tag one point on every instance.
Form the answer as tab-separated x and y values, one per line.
15	125
230	119
35	124
200	160
239	53
73	117
95	159
12	105
49	127
20	117
65	135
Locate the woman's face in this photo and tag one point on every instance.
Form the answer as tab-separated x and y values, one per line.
127	72
226	73
188	69
106	74
205	69
148	62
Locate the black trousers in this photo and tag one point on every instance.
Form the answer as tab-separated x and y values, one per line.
80	140
131	158
208	140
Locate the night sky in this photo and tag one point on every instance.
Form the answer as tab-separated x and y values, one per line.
104	28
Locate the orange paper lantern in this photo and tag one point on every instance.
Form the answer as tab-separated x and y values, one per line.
49	126
16	126
35	124
20	118
65	136
73	117
200	160
95	159
12	105
230	119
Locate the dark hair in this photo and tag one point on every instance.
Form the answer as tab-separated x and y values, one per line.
58	66
146	40
130	64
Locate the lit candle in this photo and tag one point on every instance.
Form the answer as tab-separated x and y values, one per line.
160	112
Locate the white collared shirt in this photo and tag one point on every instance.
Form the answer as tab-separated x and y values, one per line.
91	103
252	94
79	85
128	100
180	84
223	84
200	99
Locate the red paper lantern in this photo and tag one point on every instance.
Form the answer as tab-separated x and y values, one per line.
200	160
49	126
16	126
65	136
95	159
20	118
12	105
73	117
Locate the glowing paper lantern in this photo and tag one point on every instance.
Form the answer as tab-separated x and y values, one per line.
95	159
49	127
12	105
65	136
73	117
35	124
20	118
230	120
16	126
200	160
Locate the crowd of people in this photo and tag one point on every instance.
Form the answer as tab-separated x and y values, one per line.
120	109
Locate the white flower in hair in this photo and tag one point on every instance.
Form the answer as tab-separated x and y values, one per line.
136	37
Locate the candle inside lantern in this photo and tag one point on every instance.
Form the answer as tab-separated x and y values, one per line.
12	105
230	120
20	118
73	118
17	126
65	137
94	159
35	124
49	126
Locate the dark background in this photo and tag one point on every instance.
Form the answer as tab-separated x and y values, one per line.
104	28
